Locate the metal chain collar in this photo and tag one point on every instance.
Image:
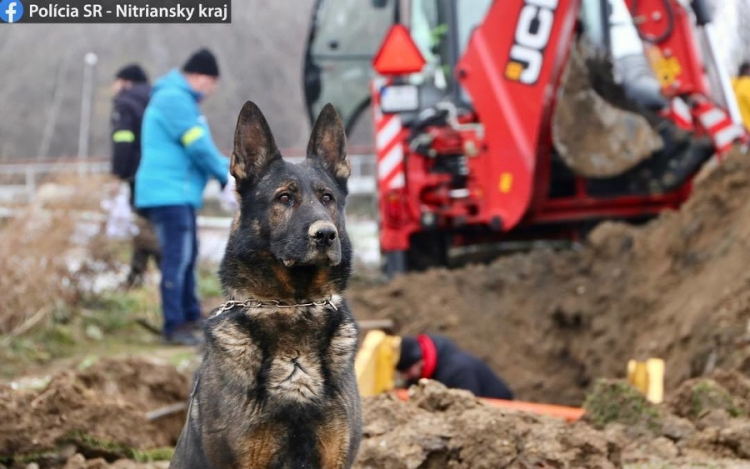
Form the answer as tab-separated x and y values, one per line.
253	303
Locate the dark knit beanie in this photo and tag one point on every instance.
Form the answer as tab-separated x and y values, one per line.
202	62
132	72
411	353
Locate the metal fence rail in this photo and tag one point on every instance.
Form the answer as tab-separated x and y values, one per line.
20	178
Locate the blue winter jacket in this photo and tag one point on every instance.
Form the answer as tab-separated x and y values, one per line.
178	155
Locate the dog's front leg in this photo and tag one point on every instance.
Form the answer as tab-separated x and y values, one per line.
215	434
339	437
334	442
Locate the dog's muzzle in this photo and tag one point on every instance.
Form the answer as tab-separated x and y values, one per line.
323	234
325	246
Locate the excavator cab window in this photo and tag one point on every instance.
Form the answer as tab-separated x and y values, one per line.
424	25
441	30
428	29
343	37
345	34
469	15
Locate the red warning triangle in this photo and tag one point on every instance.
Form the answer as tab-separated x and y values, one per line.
398	55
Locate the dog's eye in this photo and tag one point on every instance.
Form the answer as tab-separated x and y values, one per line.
285	199
326	199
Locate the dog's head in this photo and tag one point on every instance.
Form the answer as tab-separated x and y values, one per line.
290	235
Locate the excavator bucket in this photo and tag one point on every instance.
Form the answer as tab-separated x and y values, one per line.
593	137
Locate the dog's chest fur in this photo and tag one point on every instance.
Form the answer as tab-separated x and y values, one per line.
277	389
290	355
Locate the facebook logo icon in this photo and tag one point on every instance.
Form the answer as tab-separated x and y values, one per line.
11	11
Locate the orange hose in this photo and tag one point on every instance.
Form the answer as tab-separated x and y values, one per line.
570	414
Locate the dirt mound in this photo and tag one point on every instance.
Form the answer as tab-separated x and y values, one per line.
703	420
443	428
700	398
440	428
551	322
100	412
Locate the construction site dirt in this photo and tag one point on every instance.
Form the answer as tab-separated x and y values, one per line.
95	419
553	324
100	411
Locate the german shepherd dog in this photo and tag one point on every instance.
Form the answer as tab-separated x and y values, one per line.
277	387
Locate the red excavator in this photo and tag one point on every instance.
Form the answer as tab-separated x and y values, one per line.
483	133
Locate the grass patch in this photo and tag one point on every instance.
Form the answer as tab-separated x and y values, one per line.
25	459
59	276
708	395
106	321
666	465
117	311
151	455
92	447
209	285
617	401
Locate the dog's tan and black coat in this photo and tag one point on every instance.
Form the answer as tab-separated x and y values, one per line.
277	387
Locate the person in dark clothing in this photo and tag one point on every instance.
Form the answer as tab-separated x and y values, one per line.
436	357
132	92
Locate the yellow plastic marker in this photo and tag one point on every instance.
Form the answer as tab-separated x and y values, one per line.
648	377
375	364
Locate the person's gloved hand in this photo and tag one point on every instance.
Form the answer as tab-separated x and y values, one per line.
228	196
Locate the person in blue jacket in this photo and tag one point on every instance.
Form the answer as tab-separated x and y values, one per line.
178	157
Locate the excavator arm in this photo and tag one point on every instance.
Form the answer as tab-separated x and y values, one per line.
511	75
680	45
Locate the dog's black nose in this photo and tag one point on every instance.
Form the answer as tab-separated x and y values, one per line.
325	235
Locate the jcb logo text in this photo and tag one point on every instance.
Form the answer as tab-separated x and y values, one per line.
533	32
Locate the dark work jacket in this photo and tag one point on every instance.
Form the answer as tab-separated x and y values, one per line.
458	369
129	106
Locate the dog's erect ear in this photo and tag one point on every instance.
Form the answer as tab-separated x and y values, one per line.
254	146
328	144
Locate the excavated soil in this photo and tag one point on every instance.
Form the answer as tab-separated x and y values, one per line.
704	420
441	428
677	288
99	412
704	424
549	322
